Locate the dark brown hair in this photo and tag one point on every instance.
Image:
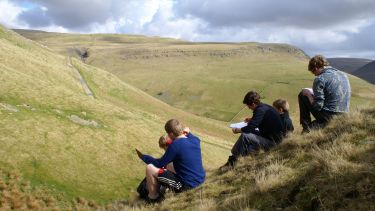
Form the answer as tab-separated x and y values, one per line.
251	97
317	61
174	126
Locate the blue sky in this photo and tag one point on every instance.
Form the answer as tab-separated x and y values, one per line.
335	28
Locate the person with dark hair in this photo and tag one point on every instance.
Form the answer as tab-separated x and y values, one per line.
329	96
185	153
282	106
263	131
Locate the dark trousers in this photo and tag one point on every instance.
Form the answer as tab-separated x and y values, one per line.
305	109
249	143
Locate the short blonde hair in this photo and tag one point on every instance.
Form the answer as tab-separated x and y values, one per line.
281	104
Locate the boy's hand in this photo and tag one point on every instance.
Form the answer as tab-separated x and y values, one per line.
186	130
236	130
247	119
140	155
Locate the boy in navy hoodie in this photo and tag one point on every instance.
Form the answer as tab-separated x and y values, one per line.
185	153
282	106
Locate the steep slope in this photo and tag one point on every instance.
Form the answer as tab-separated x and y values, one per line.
367	72
57	137
207	79
332	169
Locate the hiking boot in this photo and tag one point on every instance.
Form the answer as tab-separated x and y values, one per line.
229	164
305	131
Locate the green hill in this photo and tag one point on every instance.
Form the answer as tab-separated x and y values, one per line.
207	79
61	148
57	137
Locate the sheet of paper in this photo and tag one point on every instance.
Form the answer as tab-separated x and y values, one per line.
238	125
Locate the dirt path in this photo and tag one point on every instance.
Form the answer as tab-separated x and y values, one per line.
81	80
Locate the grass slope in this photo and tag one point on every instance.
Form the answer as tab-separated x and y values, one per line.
208	79
41	138
332	169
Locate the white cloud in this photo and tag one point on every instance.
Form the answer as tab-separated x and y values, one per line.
164	23
334	27
9	13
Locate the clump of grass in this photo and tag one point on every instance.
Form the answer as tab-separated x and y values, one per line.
16	193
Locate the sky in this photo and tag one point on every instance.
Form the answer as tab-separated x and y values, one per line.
334	28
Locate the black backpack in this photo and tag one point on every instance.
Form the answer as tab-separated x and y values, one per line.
143	192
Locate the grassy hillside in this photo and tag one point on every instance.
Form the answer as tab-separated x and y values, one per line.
332	169
57	137
62	148
208	79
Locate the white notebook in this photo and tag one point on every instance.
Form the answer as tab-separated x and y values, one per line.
310	90
238	125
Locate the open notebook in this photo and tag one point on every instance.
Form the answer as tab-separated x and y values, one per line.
238	125
310	90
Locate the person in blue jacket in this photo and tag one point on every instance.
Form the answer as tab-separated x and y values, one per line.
330	95
185	153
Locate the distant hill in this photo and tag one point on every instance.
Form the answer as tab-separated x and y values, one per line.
362	68
367	72
207	79
349	65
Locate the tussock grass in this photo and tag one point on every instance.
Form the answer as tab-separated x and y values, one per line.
16	193
331	169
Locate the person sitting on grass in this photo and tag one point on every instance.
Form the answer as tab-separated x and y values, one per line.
263	131
330	95
185	153
164	142
282	106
